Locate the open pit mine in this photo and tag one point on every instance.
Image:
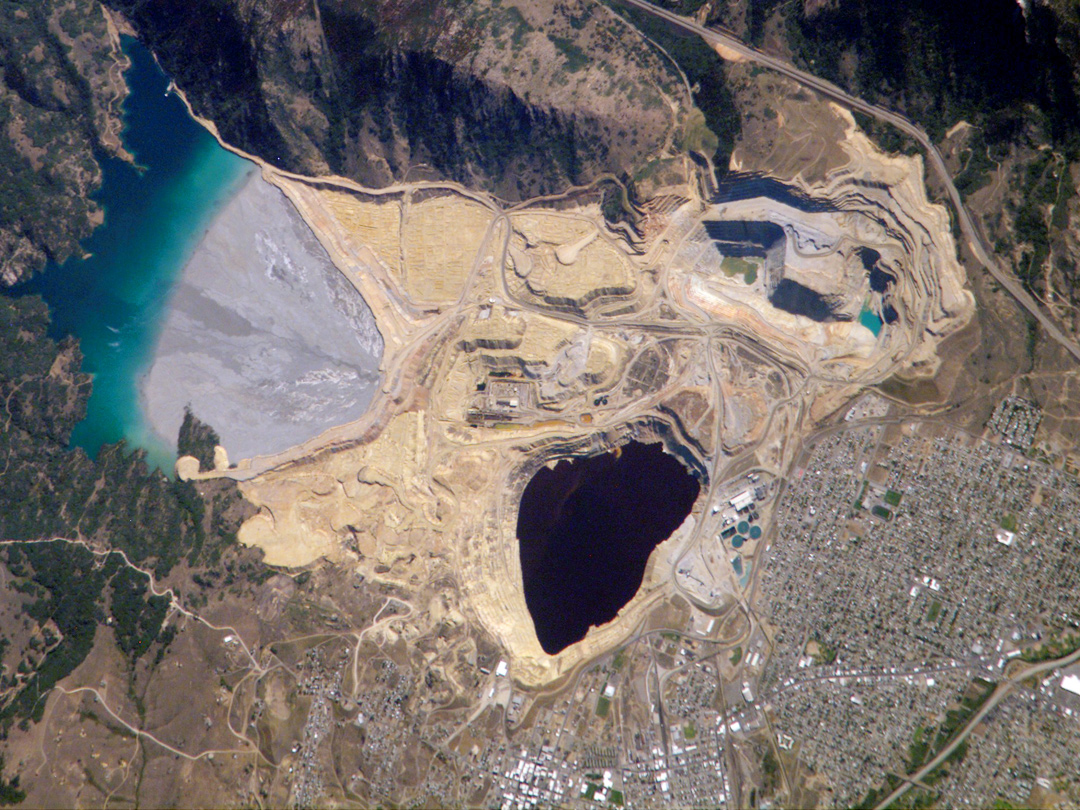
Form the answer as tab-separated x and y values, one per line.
723	329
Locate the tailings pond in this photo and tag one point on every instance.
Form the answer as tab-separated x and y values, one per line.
114	299
586	528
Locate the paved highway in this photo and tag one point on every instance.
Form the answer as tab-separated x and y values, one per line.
1003	690
832	92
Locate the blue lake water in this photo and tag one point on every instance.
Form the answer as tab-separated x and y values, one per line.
870	320
155	215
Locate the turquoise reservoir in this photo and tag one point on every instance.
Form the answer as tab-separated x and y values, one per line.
155	215
871	321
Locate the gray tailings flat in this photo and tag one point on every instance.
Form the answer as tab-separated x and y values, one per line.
264	338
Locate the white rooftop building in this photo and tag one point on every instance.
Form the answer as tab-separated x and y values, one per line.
742	500
1071	683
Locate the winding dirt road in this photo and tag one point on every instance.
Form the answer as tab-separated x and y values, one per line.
830	91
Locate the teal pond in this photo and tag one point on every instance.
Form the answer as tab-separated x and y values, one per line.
870	320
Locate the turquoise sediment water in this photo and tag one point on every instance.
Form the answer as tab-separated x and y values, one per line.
870	320
155	214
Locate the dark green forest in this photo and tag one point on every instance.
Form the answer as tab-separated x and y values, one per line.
115	501
51	142
703	69
977	60
51	490
70	586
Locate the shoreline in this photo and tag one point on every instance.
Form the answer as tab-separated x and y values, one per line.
262	335
143	375
277	176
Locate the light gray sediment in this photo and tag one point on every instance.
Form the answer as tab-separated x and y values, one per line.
264	337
